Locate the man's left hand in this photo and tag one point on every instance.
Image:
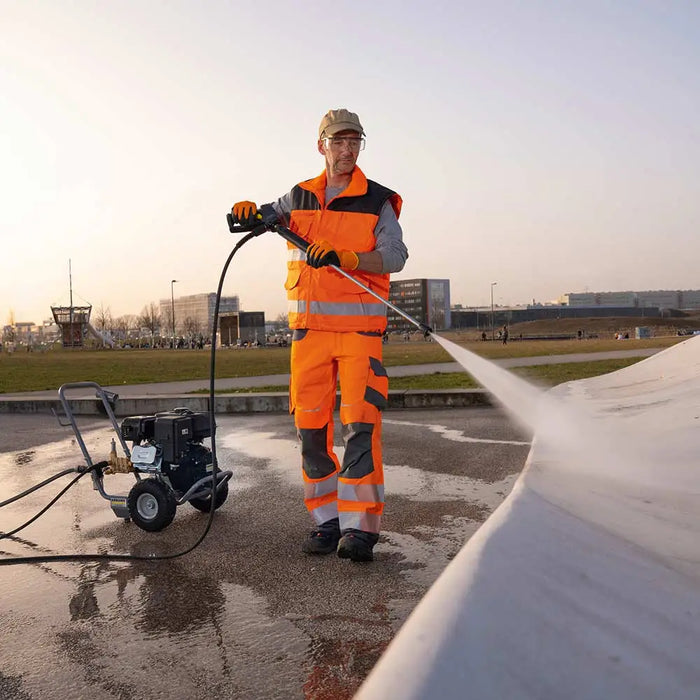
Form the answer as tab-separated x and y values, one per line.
322	254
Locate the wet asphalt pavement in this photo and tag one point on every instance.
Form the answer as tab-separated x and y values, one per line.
246	615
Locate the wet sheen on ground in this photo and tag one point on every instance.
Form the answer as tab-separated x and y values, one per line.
246	615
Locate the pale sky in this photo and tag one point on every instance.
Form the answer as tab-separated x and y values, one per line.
550	147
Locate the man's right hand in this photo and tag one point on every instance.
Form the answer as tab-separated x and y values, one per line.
244	212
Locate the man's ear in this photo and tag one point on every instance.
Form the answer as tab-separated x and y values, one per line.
321	147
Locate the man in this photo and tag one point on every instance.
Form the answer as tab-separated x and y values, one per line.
352	223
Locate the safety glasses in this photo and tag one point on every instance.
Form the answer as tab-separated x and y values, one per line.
336	143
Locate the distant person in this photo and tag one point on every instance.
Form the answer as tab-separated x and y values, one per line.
483	335
504	335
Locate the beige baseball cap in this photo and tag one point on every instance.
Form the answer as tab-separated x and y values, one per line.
336	120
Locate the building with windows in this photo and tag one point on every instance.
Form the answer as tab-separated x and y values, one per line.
426	300
481	318
682	299
29	334
246	326
194	314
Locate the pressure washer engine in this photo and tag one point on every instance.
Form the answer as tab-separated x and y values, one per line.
168	448
171	464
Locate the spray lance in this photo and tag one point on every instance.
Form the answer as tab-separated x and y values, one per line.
266	220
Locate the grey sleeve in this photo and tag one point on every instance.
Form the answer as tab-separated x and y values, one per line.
389	240
283	209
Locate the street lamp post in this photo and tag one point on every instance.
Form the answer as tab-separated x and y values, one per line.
493	334
172	308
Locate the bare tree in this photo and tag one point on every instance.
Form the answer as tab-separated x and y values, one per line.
192	327
281	322
8	334
125	324
150	318
120	327
103	318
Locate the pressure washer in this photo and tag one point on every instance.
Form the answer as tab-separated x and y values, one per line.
167	449
167	457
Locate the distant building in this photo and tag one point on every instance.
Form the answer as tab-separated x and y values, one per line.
481	318
248	326
426	300
685	300
28	333
195	311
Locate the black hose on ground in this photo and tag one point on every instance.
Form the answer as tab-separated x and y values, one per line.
4	535
38	486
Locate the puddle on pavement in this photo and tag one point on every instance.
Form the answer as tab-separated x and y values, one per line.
283	457
115	627
420	485
339	667
454	435
52	532
423	551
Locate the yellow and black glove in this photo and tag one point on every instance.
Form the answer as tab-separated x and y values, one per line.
244	212
322	254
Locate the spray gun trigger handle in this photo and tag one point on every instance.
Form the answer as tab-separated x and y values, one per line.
427	330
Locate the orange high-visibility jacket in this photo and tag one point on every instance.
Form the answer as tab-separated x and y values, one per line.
322	299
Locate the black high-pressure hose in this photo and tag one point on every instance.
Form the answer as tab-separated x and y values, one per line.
4	535
36	487
256	231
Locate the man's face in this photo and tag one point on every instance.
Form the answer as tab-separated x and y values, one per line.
341	151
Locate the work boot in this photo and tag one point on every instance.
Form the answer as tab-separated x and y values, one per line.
323	539
357	545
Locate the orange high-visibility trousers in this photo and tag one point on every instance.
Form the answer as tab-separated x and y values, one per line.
353	491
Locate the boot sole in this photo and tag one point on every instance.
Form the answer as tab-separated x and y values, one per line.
355	556
317	551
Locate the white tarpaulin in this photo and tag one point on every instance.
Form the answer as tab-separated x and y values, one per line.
585	583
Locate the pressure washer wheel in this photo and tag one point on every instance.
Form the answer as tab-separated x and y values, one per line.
204	504
151	505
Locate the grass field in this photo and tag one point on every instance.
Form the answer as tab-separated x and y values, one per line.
37	371
540	375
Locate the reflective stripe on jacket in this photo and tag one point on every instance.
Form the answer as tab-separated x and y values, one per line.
322	299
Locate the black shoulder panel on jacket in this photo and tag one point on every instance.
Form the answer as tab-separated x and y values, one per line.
303	199
370	203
